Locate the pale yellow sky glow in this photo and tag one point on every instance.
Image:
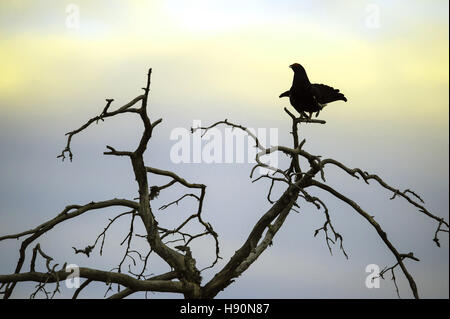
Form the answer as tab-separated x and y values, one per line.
228	52
217	53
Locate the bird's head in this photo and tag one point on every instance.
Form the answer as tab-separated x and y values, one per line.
297	67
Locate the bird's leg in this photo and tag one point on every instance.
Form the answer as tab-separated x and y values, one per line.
303	114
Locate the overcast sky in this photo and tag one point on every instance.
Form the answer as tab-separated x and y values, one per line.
213	60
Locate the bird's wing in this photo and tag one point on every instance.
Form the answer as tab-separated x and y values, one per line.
326	94
287	93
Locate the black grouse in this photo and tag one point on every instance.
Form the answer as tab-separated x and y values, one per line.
307	97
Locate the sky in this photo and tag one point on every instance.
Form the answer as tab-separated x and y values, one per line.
215	60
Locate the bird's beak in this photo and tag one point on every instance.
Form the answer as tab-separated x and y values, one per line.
291	66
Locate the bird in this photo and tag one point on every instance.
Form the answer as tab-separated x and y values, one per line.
307	97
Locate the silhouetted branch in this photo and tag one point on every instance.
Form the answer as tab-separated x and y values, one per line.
105	114
178	200
97	275
82	286
303	119
319	203
377	227
127	292
367	177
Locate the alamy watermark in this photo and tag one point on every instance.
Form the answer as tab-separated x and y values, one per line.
373	279
231	145
372	20
73	279
73	16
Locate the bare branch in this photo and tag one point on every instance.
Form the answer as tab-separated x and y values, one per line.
377	227
98	275
303	119
66	214
124	109
178	200
82	286
174	176
367	177
319	203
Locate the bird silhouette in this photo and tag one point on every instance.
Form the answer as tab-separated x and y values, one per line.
307	97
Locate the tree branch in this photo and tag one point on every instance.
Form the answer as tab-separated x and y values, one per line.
98	275
377	227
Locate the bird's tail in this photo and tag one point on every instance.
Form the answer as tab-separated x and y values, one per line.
339	96
326	94
285	94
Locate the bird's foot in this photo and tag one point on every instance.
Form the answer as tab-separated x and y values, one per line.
304	115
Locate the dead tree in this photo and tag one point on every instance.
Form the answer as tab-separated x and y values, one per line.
184	277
